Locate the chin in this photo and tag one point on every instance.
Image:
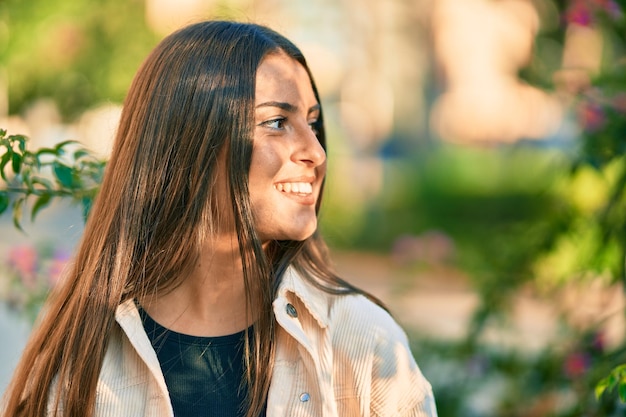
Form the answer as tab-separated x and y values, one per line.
298	236
302	237
304	234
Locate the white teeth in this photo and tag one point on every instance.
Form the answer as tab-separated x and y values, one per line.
294	187
306	188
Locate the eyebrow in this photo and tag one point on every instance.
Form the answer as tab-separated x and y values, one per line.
288	107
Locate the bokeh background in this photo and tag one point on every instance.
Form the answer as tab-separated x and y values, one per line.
476	172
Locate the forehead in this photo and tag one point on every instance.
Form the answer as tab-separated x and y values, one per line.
280	76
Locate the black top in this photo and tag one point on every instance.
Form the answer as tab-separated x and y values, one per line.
204	375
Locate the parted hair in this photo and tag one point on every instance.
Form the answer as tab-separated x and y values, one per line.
191	101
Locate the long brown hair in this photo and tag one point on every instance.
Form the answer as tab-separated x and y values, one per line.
192	99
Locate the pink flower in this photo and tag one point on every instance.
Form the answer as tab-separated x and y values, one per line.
576	364
23	259
591	116
579	13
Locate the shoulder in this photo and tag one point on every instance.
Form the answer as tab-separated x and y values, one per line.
369	338
370	351
366	330
357	313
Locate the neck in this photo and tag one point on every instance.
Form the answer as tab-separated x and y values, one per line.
211	300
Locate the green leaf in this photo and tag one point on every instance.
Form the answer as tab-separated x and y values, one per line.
600	388
42	181
620	370
59	147
63	174
612	379
17	163
87	202
22	142
44	151
617	377
41	202
27	180
80	153
622	392
17	213
4	201
6	157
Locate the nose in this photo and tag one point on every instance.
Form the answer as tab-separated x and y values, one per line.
309	150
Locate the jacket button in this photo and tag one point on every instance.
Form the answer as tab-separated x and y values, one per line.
304	397
291	311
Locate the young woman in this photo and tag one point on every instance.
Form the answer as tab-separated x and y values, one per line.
201	287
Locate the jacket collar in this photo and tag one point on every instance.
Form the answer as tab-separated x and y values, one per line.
127	316
316	301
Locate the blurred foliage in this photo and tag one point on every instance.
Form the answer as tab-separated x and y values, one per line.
86	51
502	208
64	171
487	381
615	379
32	271
526	214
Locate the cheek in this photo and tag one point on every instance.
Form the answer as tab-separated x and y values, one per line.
263	168
266	162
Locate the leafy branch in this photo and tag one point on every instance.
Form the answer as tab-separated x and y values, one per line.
66	170
615	379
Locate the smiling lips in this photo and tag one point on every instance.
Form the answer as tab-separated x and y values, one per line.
302	192
300	188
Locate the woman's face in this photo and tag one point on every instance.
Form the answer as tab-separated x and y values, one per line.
288	162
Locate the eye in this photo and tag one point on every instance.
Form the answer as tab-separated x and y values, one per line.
278	123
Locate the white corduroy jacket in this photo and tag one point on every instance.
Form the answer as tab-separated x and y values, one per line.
337	356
